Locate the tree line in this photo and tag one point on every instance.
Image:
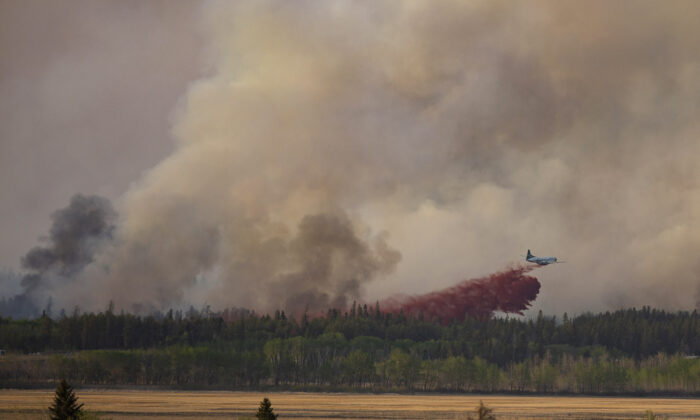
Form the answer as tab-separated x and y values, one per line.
333	363
636	333
633	350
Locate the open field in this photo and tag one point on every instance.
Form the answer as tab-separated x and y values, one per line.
21	404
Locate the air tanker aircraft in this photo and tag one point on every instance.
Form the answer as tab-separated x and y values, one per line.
541	260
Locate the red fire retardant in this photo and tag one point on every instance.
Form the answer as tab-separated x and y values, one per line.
507	291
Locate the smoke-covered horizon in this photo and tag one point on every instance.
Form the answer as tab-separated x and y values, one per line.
344	151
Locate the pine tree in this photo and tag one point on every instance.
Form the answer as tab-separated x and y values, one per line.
65	405
265	411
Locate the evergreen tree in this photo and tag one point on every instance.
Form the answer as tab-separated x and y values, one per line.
265	411
65	405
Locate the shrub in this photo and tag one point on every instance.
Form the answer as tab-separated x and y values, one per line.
483	413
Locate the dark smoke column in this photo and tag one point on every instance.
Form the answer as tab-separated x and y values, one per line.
507	291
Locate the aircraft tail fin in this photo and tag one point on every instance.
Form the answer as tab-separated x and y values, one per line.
529	254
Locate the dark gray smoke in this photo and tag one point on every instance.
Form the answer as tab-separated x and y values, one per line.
77	232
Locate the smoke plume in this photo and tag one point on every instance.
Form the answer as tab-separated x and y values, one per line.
77	233
334	264
338	150
506	291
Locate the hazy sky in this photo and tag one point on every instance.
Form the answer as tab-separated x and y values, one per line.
300	154
87	91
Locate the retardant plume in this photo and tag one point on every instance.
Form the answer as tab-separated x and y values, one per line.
511	291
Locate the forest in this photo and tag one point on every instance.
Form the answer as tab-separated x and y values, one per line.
633	351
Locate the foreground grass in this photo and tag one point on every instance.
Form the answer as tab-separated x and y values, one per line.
117	405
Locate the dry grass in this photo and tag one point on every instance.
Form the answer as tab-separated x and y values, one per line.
15	404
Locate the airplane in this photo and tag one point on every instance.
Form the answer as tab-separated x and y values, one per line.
541	260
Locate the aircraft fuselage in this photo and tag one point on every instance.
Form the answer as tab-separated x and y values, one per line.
540	260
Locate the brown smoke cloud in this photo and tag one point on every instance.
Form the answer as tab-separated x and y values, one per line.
420	142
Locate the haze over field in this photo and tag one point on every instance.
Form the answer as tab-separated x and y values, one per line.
303	154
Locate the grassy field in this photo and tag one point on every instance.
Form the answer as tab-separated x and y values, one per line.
21	404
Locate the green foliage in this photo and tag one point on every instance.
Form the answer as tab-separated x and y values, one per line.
65	404
322	364
629	351
265	411
636	333
358	368
401	368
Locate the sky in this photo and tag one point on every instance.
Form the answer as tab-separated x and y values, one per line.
303	154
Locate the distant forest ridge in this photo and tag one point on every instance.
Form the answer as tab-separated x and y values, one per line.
627	351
